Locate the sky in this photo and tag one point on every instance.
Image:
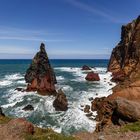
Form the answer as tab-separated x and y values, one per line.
70	29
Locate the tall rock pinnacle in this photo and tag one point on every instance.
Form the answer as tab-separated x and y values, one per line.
40	75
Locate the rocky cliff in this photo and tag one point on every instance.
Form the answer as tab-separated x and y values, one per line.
40	75
123	105
125	58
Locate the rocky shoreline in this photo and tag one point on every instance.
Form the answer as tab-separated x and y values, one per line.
122	106
114	112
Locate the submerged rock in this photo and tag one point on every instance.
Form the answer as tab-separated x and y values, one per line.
61	102
40	75
91	76
1	113
85	67
20	89
28	108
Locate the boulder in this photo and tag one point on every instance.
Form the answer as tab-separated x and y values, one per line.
28	108
85	67
61	102
91	76
40	75
87	109
127	110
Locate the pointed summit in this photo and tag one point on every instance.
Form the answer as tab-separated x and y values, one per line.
40	75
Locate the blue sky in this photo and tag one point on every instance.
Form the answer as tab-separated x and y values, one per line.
69	28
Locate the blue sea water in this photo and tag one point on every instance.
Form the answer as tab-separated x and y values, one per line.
70	78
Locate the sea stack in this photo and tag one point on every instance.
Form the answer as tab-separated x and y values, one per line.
40	75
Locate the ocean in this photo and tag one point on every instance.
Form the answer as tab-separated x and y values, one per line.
70	78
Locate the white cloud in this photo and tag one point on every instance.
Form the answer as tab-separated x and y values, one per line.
8	33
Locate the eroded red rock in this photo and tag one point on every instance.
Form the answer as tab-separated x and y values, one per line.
40	75
91	76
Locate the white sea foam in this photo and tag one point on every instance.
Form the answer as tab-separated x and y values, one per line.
15	76
60	78
74	117
10	79
5	83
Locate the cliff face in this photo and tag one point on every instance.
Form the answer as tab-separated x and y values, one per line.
40	75
124	103
125	56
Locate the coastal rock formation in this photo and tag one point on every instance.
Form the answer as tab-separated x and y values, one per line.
87	109
85	67
15	129
61	102
91	76
116	111
125	56
28	108
123	104
40	75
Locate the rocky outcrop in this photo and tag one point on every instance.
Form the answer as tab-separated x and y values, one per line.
61	102
123	104
91	76
28	108
85	67
87	109
125	56
40	75
117	111
15	129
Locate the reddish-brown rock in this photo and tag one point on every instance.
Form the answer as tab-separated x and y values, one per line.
16	129
91	76
124	64
126	55
87	109
85	67
40	75
61	102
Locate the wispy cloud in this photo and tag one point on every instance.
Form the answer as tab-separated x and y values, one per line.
94	10
8	33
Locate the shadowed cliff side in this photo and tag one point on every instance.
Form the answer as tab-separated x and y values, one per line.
40	75
125	58
122	106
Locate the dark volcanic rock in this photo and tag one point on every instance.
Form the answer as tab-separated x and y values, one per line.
91	76
40	75
28	108
1	113
20	89
60	103
85	67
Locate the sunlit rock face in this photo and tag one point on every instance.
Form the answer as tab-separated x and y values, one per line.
40	75
125	56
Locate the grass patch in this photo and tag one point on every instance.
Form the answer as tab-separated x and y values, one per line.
47	134
131	127
4	119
